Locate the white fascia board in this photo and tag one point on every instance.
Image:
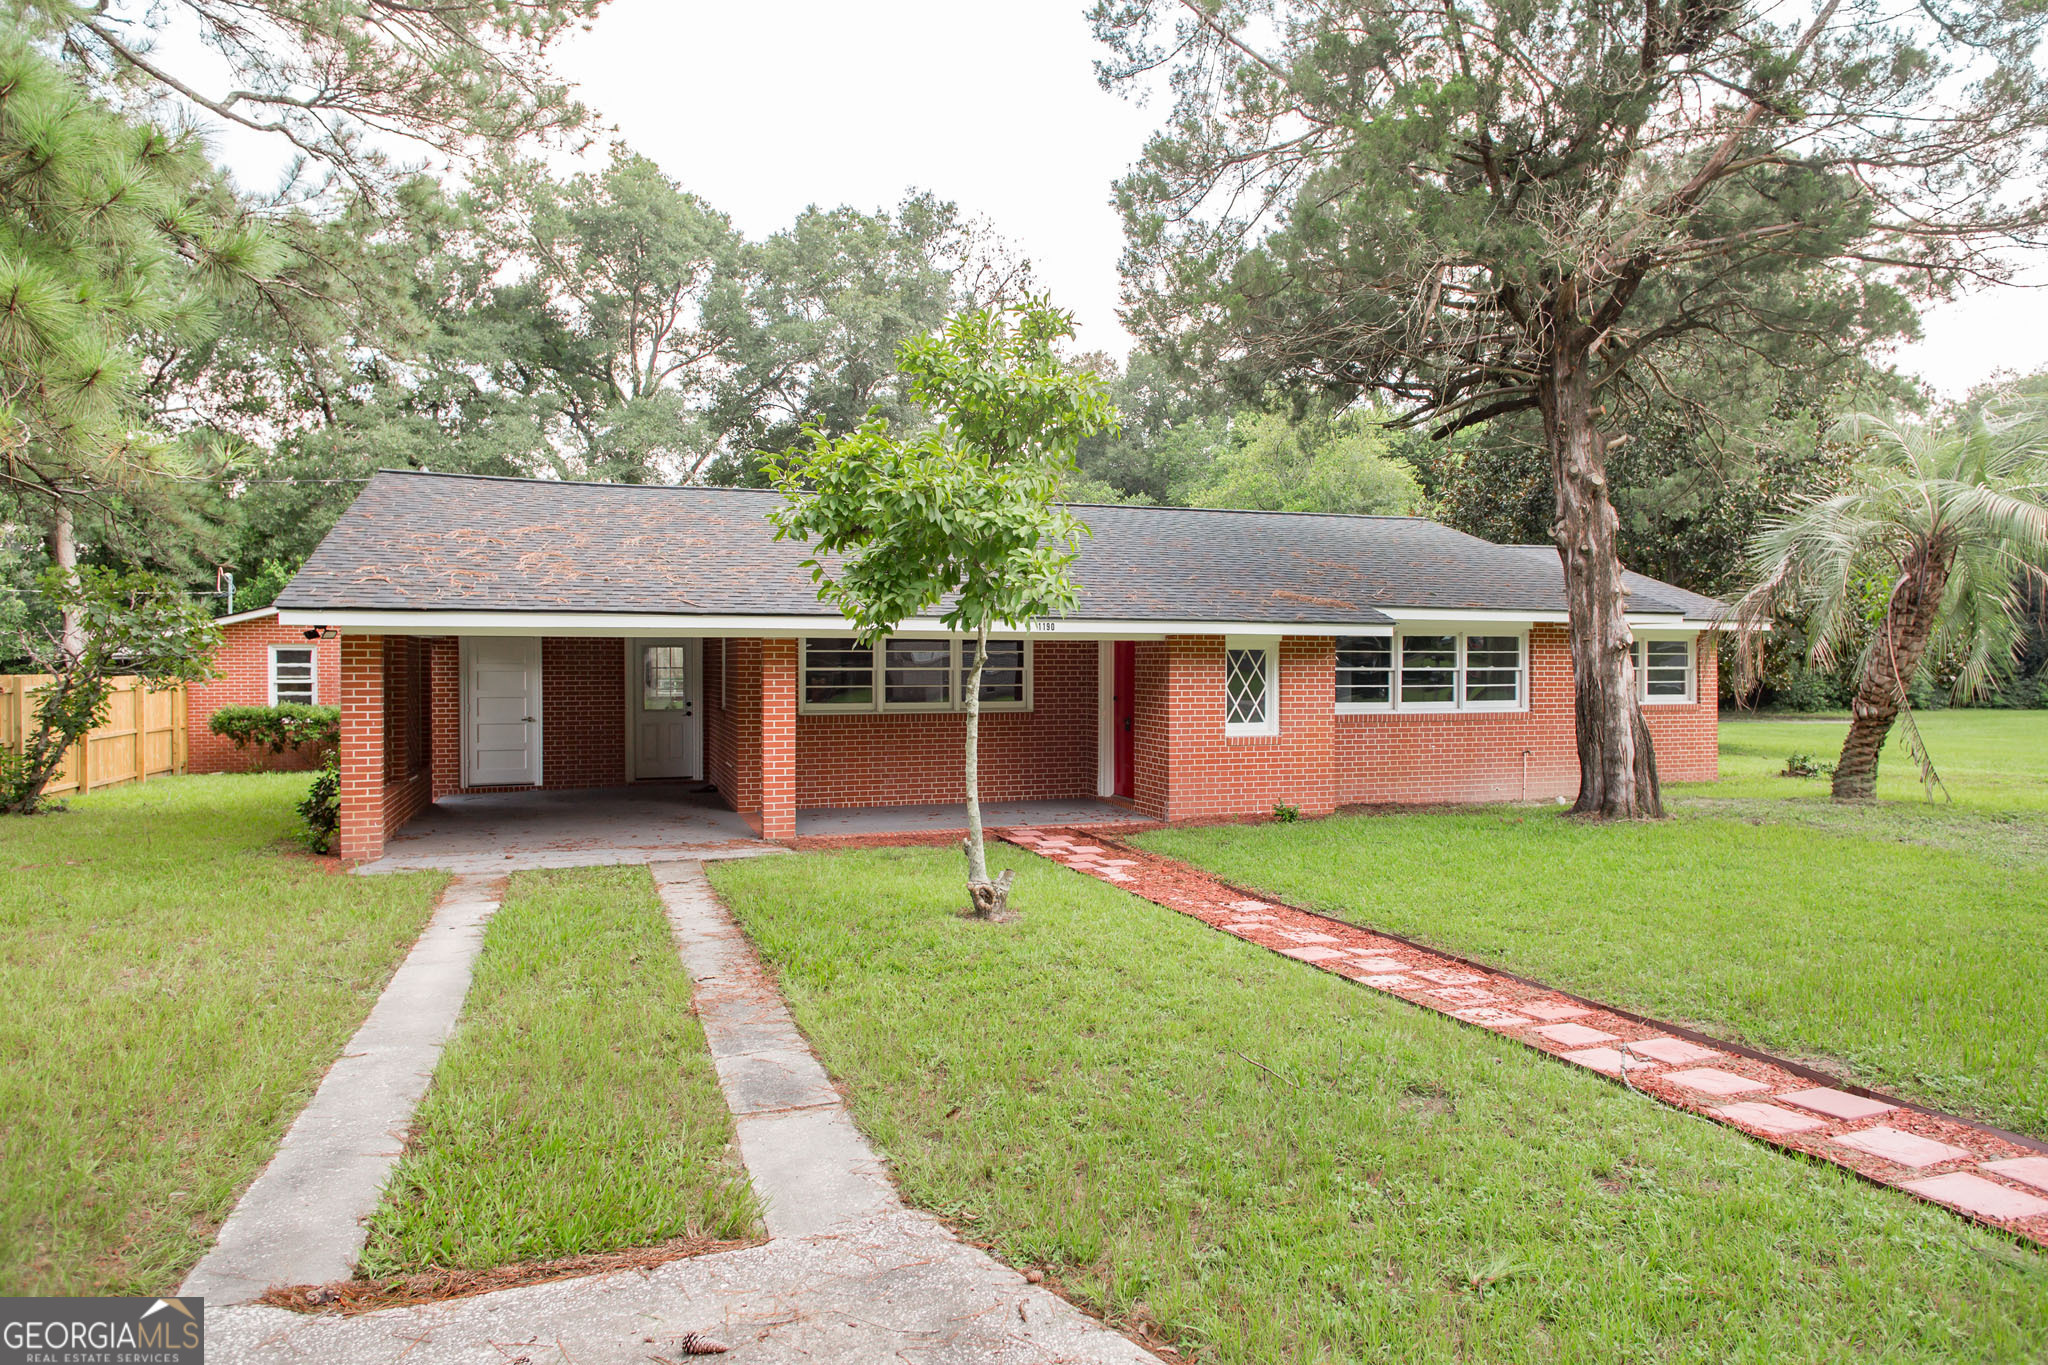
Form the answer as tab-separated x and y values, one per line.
612	624
253	615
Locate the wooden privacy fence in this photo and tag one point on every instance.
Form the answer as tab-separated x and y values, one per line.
143	737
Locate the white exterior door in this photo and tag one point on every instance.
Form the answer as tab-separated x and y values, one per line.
500	712
668	736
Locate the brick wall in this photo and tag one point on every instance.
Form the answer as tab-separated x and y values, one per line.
1188	767
583	715
906	758
243	661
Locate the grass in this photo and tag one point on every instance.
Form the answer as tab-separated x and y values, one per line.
1992	762
1902	944
177	980
576	1110
1267	1164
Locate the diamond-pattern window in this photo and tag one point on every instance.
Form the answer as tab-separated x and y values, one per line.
1245	687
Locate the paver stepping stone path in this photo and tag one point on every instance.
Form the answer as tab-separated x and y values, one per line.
1997	1178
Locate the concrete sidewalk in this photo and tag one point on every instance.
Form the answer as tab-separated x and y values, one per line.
849	1274
302	1220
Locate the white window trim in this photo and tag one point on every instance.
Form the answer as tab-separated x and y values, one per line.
957	705
1270	644
1639	654
313	666
1458	705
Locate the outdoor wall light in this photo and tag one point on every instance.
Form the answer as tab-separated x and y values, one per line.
323	633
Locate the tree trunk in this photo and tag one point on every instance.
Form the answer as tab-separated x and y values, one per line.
1888	671
63	542
988	900
1617	763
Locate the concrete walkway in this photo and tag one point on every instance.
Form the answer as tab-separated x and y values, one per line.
302	1220
849	1274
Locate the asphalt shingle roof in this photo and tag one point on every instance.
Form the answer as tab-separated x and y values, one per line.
440	542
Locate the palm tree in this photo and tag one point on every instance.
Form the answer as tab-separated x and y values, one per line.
1923	557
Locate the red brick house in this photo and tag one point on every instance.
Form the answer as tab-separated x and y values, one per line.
506	634
260	662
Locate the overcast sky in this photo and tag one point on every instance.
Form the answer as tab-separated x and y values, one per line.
766	107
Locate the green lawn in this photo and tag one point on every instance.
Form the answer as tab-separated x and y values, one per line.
1904	944
1273	1165
177	981
1992	762
576	1109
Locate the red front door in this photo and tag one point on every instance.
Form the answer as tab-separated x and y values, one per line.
1123	685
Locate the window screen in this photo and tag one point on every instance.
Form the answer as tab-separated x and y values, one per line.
1429	670
1365	670
292	675
917	673
838	672
1002	678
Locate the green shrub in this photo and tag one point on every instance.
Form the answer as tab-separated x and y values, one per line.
1806	765
1286	814
278	728
322	806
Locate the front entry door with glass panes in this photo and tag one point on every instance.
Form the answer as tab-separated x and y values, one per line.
667	729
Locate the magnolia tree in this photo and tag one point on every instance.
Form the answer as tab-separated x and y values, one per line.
960	516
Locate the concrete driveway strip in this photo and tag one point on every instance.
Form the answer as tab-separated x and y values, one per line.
301	1221
849	1274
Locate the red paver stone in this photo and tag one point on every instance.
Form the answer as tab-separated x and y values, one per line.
1674	1050
1975	1194
1553	1012
1385	981
1573	1034
1308	936
1837	1104
1605	1060
1711	1080
1767	1118
2028	1170
1248	906
1311	954
1450	976
1491	1018
1466	995
1907	1149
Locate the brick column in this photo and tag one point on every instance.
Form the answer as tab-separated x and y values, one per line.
445	668
362	746
778	739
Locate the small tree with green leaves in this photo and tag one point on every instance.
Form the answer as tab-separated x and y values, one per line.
960	516
127	624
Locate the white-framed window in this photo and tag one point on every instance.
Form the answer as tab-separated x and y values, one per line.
1429	672
1251	686
1430	668
1365	671
1664	671
294	675
917	673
